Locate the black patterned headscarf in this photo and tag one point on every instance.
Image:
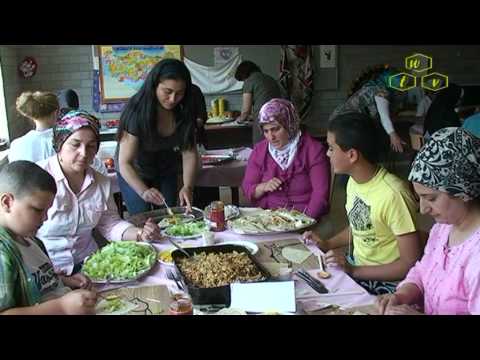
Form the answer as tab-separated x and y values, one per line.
449	162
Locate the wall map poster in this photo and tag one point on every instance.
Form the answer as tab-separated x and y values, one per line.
123	68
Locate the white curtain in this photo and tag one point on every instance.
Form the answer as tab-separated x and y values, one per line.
215	79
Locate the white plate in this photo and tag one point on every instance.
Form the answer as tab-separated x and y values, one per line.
253	248
163	262
172	249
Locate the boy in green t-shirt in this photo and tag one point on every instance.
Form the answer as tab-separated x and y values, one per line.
28	282
380	208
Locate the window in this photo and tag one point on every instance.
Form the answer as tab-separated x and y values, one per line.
3	110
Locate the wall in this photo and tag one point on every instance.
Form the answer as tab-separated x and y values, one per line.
267	57
69	66
11	85
460	62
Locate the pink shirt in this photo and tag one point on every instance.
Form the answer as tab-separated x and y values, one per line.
67	233
449	278
306	182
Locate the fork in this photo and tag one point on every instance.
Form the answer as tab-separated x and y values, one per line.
169	211
171	276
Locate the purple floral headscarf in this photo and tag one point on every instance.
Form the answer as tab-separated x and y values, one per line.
71	122
282	111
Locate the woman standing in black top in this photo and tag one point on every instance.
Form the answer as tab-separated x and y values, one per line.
156	133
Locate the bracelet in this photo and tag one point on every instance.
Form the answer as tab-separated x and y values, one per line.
139	235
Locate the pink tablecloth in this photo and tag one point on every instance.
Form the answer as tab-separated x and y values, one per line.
344	291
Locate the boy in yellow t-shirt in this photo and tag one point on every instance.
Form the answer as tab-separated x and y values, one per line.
380	208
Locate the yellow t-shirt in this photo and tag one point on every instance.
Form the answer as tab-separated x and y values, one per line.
378	211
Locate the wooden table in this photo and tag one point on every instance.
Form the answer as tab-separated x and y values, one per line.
229	174
228	136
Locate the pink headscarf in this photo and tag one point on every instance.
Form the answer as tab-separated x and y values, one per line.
71	122
282	111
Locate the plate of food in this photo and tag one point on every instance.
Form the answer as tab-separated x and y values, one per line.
165	256
114	305
180	215
267	222
120	262
175	219
216	159
219	120
253	248
187	230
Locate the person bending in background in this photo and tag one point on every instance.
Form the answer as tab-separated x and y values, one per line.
372	96
258	88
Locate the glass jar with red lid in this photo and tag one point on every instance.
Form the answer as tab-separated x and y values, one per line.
217	216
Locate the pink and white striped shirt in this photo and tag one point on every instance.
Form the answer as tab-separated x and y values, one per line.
67	233
448	277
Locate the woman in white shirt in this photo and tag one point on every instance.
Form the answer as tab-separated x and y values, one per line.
41	108
84	199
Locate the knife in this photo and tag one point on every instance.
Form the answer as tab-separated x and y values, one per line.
314	286
315	281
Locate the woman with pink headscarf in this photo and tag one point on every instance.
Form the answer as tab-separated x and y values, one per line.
289	168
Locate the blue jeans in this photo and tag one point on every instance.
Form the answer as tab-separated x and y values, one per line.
167	185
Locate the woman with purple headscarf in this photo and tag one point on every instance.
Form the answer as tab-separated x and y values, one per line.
288	169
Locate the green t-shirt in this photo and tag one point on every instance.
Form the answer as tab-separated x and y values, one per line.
378	211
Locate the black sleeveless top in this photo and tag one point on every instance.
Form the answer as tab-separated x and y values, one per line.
162	155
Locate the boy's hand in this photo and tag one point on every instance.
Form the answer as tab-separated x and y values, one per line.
77	281
337	258
79	302
309	237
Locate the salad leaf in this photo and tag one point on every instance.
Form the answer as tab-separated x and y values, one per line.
188	229
122	260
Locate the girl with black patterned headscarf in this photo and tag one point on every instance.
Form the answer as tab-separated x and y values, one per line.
446	176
